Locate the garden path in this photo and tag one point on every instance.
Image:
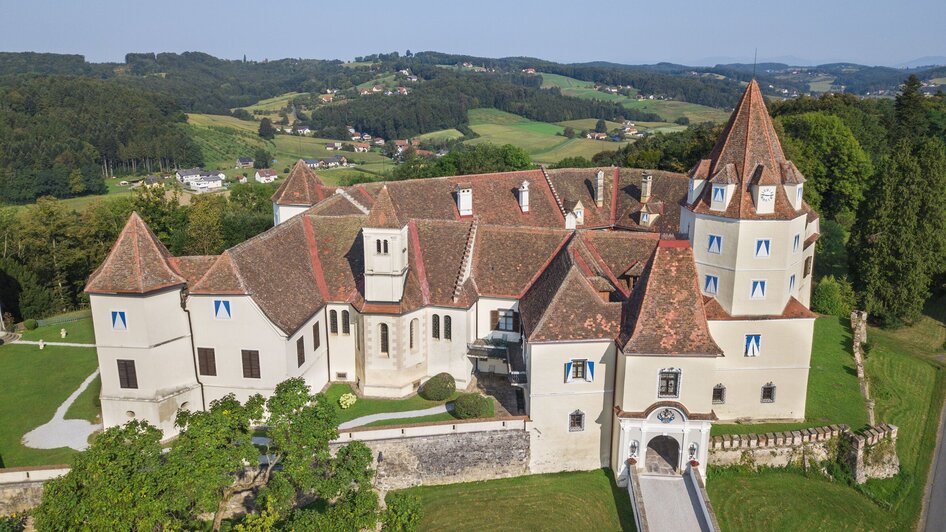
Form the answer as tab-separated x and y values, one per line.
62	432
364	420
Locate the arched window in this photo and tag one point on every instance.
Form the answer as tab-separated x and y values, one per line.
447	332
385	247
413	331
346	327
435	327
377	245
383	328
333	321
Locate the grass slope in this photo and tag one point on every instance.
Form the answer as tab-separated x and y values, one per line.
79	332
833	392
584	501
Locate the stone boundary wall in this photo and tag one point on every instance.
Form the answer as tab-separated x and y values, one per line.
859	338
872	453
21	488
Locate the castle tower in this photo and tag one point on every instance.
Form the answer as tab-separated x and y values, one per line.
301	190
142	333
385	247
750	230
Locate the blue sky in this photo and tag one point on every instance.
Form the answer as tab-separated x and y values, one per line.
632	31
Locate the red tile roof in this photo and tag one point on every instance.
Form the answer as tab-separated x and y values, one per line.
383	215
138	263
793	310
301	187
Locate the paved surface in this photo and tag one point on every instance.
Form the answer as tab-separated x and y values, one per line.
61	432
936	503
498	387
65	344
671	504
364	420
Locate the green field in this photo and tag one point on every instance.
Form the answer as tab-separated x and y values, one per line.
580	89
908	384
834	395
583	501
365	406
540	139
821	84
588	124
443	134
274	104
938	81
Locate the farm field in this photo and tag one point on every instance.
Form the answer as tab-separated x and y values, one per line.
579	88
540	139
443	134
534	502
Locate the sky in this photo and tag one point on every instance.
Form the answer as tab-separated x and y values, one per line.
705	32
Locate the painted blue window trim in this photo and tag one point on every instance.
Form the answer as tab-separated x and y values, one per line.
715	245
763	248
758	289
753	346
791	282
711	284
719	193
119	320
222	309
796	243
568	371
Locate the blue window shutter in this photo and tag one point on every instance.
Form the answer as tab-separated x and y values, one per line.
119	323
568	371
216	307
591	371
766	244
226	307
748	341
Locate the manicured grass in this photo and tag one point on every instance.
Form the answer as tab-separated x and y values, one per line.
833	392
367	405
588	123
33	384
87	406
786	500
586	500
79	332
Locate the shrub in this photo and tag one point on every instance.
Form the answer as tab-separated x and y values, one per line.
439	387
347	400
403	512
30	324
834	297
14	522
471	405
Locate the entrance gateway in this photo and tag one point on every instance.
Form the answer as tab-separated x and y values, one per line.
663	440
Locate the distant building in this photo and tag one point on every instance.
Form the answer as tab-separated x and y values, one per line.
362	147
597	136
266	175
207	183
244	162
301	130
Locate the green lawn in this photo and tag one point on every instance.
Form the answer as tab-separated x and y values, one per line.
833	392
561	501
908	385
79	331
367	406
33	384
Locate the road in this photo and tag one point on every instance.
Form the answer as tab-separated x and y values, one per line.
936	504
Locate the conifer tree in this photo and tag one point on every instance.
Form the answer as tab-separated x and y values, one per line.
911	115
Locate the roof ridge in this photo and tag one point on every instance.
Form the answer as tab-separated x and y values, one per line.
615	181
314	260
593	249
354	202
545	266
466	261
555	196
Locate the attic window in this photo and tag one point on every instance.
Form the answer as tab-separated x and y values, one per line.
719	193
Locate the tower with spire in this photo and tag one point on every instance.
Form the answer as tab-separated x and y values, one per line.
386	261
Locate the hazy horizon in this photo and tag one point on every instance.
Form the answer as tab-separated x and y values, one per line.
872	33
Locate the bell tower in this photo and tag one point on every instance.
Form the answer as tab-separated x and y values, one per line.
385	248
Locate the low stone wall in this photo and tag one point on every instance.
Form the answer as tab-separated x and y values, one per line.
21	488
445	452
872	453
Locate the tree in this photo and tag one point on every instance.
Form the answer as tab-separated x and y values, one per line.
829	156
262	158
76	182
574	162
911	119
569	132
601	126
266	129
403	512
834	297
113	485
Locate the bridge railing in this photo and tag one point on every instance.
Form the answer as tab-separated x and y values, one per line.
637	500
705	508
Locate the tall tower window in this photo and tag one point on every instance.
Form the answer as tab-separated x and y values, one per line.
333	321
346	326
383	332
447	326
763	248
791	283
796	243
711	285
435	326
715	244
753	345
385	247
413	332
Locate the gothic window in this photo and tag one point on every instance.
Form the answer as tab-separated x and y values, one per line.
447	332
711	285
333	321
377	245
346	326
383	330
316	340
768	393
435	327
719	394
576	421
385	247
127	377
753	345
668	384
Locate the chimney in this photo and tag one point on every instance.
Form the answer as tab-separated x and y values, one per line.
524	196
599	188
647	181
465	199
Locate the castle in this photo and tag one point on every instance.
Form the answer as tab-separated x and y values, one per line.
633	308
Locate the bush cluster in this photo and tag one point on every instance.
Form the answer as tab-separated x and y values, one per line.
470	406
347	400
439	387
30	324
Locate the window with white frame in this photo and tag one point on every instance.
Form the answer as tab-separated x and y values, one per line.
579	370
768	393
711	285
758	289
119	320
796	243
715	244
576	421
668	383
791	282
505	320
222	309
753	346
719	193
763	248
798	195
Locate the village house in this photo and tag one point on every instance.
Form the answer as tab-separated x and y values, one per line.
597	136
331	146
301	130
327	98
206	183
361	147
190	175
265	175
633	308
244	162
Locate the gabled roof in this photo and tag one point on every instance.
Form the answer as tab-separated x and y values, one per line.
301	187
665	315
137	264
383	215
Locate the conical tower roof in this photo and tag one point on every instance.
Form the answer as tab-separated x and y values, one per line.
301	187
383	215
137	264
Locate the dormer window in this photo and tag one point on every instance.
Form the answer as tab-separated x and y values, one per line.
798	195
579	215
719	194
715	244
645	218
